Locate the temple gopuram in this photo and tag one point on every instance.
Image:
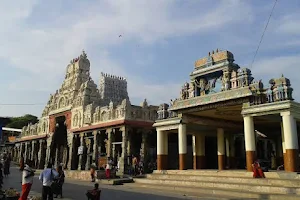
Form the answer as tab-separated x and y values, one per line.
224	119
82	124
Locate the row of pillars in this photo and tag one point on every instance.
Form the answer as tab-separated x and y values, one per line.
289	141
289	145
30	150
198	149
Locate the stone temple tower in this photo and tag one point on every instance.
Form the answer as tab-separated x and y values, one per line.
112	88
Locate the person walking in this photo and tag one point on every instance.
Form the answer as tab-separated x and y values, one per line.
27	180
60	181
47	177
93	171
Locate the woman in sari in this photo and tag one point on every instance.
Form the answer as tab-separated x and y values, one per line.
257	171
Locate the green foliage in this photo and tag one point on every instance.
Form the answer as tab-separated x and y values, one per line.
20	122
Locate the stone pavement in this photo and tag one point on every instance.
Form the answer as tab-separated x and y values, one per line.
74	189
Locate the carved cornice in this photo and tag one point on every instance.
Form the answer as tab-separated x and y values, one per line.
167	122
217	123
211	98
68	108
273	108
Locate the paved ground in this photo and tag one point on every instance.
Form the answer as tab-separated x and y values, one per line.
76	190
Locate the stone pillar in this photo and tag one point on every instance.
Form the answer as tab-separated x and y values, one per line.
249	141
109	143
283	143
32	150
291	142
26	152
80	156
57	152
144	145
124	155
162	150
221	149
199	151
21	152
40	155
227	150
95	147
88	152
182	146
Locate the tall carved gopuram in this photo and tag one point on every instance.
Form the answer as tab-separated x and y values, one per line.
82	123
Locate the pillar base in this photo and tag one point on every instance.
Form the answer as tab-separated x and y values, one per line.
250	158
221	162
199	162
182	161
291	160
162	162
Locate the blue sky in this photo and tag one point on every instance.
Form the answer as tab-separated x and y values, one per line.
160	41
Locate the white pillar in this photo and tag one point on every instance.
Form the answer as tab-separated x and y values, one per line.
160	142
250	145
162	150
182	146
249	133
282	138
290	142
290	131
182	139
199	151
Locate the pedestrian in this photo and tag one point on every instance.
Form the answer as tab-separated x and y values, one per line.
59	181
108	168
1	175
47	177
27	179
93	170
7	166
94	194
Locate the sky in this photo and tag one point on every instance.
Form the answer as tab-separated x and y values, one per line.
161	40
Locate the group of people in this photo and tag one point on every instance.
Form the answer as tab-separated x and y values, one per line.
4	167
51	179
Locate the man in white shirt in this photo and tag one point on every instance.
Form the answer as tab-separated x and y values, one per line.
27	180
47	177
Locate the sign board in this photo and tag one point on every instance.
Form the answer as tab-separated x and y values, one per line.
80	150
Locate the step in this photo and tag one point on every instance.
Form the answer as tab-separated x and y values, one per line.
221	179
230	173
119	181
227	194
218	185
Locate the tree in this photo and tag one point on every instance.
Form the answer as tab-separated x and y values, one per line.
20	122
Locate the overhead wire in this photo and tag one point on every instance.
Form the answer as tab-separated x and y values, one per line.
262	36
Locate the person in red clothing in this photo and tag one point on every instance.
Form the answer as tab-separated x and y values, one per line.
257	171
27	180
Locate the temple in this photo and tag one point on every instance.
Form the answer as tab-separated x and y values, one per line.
223	119
82	123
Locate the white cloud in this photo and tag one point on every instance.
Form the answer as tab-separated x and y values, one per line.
274	67
43	48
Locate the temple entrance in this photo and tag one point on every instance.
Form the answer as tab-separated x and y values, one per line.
173	151
59	153
211	149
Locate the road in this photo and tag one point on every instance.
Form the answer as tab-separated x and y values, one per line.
76	190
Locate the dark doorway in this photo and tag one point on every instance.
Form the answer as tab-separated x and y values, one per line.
59	147
173	151
211	152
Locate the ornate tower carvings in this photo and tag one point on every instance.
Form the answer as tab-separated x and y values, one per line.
79	96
